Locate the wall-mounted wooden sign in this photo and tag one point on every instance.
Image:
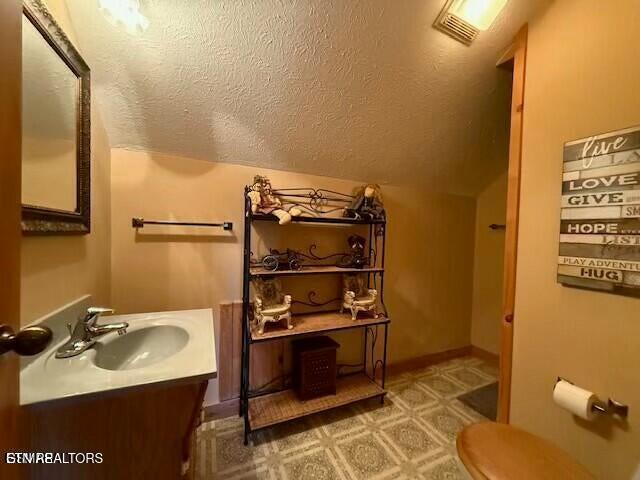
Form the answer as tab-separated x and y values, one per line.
600	214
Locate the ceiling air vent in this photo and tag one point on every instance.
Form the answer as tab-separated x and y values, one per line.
455	27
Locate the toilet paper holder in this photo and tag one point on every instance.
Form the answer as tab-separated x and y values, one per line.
612	407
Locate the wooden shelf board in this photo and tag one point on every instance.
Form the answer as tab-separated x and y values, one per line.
315	323
325	220
283	406
311	270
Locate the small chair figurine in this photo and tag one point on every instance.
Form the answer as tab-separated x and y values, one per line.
357	298
269	304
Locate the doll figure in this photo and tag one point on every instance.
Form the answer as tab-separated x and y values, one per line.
367	204
263	200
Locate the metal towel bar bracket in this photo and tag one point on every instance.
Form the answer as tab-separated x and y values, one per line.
138	222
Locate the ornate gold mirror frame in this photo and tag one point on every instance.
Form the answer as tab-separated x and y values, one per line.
37	220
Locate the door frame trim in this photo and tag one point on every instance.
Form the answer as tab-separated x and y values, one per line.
515	59
12	436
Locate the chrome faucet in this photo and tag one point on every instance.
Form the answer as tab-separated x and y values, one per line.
86	330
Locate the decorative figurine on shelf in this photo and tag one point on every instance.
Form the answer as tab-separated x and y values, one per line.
269	304
357	297
289	260
355	259
367	204
263	200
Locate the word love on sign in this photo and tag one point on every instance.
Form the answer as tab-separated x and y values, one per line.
600	214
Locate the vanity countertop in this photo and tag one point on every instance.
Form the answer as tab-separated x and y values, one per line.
158	348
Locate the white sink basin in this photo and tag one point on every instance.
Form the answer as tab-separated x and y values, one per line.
140	348
157	348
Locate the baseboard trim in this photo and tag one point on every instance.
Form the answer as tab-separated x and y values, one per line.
225	409
427	360
487	356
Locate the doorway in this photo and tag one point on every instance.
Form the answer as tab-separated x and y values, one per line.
514	59
496	252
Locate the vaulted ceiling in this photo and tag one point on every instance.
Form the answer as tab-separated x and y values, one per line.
358	89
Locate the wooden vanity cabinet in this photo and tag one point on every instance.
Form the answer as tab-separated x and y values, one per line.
142	433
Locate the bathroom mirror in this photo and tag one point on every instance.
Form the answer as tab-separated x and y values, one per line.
56	128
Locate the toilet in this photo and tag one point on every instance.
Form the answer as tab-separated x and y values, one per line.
496	451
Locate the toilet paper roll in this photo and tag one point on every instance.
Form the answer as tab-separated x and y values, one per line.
575	399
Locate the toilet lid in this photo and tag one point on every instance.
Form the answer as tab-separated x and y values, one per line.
502	452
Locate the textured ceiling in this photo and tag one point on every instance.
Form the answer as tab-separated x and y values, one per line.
364	90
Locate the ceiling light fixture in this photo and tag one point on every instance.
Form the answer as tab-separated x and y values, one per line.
464	19
479	13
126	12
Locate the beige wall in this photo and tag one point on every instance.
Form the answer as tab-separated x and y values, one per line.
582	79
429	251
58	269
429	280
488	271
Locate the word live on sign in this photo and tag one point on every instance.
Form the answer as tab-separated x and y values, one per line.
600	213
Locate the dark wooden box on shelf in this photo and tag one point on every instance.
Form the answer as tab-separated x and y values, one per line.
314	367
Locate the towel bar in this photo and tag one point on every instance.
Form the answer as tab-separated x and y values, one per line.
138	222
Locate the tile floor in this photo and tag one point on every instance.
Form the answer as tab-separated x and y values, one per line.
412	436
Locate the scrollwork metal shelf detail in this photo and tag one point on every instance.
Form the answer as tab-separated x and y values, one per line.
297	260
312	303
314	201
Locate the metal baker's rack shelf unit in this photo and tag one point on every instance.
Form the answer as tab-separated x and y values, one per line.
264	409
